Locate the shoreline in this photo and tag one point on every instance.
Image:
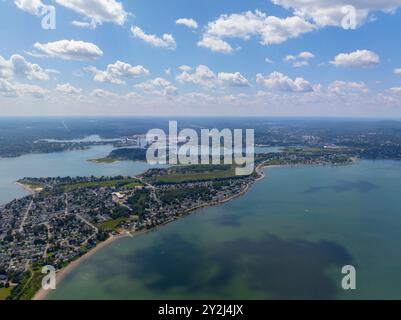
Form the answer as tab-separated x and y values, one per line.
26	188
62	273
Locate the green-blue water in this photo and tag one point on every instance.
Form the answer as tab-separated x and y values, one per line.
69	163
287	238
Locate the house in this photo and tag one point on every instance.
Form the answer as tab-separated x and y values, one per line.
118	195
3	279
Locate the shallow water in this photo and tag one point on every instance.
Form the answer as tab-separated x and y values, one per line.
287	238
68	163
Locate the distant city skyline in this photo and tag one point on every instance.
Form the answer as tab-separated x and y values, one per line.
201	58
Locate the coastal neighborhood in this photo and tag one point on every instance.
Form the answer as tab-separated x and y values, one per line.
67	219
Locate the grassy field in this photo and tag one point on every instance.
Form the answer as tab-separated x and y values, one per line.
5	292
29	286
104	160
32	186
130	183
133	185
178	195
313	151
36	187
111	224
198	173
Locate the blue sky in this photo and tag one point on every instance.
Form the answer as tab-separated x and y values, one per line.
227	58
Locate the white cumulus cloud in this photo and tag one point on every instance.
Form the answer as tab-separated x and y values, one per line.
185	68
395	90
34	7
158	86
97	11
115	72
359	58
166	41
343	88
18	67
11	89
67	88
397	71
7	89
300	60
306	55
233	79
270	29
101	94
70	50
32	90
281	82
332	13
215	44
83	24
190	23
205	77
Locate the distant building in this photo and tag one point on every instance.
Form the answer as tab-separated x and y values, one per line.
118	195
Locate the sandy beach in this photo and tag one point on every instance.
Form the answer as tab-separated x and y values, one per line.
26	188
61	274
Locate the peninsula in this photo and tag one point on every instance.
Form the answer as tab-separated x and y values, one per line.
66	219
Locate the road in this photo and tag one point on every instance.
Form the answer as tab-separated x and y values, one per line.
49	236
21	228
87	222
